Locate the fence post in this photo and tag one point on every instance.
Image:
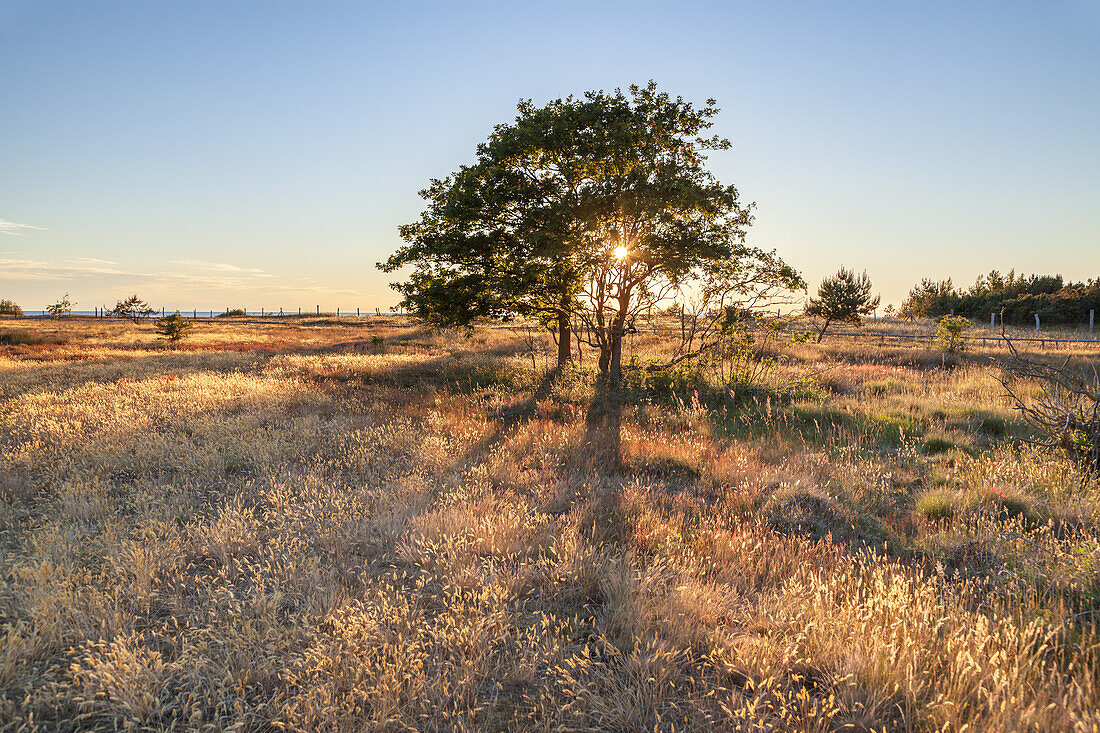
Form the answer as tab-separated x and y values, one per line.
318	310
357	311
337	311
195	313
1092	319
993	320
1036	323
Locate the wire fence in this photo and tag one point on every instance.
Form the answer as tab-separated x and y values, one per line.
986	340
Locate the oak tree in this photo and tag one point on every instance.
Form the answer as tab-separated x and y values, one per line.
584	213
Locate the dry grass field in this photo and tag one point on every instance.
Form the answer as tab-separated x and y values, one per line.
332	525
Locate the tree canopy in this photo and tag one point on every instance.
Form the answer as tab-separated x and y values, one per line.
584	212
1017	297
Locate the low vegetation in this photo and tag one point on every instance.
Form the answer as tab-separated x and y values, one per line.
950	332
325	524
174	327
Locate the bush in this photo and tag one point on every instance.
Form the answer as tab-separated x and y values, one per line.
9	308
1066	412
949	333
232	313
173	327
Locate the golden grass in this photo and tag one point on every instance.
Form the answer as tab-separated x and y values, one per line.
317	532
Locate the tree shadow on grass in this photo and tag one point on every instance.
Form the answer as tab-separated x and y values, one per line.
600	464
507	422
601	448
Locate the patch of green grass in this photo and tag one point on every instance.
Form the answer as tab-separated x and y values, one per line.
882	387
935	505
889	428
936	444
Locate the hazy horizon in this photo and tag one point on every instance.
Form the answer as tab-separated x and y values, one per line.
206	156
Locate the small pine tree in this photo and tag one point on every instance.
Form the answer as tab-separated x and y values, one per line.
844	298
949	333
173	327
133	308
10	308
62	307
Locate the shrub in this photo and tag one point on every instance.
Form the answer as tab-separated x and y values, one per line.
10	308
232	313
1066	413
173	327
949	333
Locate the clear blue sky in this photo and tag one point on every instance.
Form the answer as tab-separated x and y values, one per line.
213	154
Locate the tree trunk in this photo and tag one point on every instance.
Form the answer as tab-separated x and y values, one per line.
821	334
617	329
565	333
616	367
605	359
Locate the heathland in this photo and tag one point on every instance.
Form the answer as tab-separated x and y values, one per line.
343	525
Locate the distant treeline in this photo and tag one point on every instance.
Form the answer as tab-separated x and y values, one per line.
1020	297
